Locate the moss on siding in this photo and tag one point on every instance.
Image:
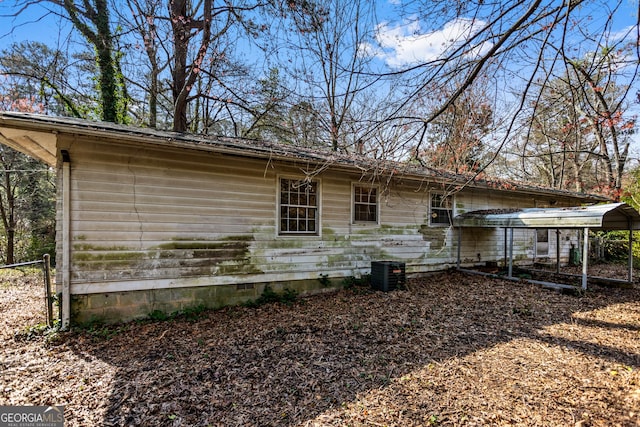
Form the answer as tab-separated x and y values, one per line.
227	242
95	257
436	236
382	230
225	256
84	247
238	268
352	257
328	232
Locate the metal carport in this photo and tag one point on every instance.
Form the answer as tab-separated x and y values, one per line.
610	216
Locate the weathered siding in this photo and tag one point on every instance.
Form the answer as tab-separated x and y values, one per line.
139	216
149	219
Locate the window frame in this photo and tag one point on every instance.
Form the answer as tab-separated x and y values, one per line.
287	233
451	210
354	202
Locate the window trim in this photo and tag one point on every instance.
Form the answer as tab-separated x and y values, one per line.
453	209
289	234
353	203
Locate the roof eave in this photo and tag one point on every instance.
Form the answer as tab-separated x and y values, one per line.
37	136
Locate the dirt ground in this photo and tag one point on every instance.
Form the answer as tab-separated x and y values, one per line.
450	350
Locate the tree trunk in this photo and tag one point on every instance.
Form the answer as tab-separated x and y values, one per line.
8	217
184	76
177	12
153	99
102	40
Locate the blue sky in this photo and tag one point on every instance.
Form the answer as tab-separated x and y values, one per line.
400	40
36	23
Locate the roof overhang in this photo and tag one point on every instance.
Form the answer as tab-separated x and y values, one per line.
610	216
39	144
37	136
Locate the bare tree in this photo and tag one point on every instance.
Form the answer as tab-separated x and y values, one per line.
455	139
525	43
330	40
44	74
23	190
144	19
579	137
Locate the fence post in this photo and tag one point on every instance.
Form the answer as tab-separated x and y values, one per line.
47	287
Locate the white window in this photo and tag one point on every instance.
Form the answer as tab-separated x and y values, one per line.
365	204
298	207
440	210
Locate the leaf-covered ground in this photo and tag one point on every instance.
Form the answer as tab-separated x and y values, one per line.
452	349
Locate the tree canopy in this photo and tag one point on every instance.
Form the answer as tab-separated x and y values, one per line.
541	91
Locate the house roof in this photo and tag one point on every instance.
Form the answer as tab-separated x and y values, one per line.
36	135
610	216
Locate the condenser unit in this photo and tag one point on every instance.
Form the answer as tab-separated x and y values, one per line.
387	275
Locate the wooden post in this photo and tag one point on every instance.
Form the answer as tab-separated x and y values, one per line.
47	289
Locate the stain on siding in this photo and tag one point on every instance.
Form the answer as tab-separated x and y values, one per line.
186	257
228	249
436	236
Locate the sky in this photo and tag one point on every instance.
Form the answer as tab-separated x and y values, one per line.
400	41
407	42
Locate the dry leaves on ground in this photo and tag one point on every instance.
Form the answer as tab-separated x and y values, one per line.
453	349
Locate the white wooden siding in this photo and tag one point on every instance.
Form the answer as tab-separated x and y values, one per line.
152	218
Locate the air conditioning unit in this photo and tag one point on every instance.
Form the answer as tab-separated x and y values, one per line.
387	275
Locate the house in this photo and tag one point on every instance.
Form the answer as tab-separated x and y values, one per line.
150	220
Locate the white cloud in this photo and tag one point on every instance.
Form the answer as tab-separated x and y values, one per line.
627	33
407	43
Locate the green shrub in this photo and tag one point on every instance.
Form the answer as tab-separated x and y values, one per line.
269	296
616	245
352	282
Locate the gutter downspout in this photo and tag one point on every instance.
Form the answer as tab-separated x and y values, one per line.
66	232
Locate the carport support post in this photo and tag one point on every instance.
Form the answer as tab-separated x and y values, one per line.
459	245
510	253
557	251
585	257
506	239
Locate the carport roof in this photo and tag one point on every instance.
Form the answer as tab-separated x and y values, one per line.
610	216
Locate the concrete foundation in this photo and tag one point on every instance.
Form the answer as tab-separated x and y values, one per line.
134	305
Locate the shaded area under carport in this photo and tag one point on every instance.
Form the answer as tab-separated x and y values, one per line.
610	216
